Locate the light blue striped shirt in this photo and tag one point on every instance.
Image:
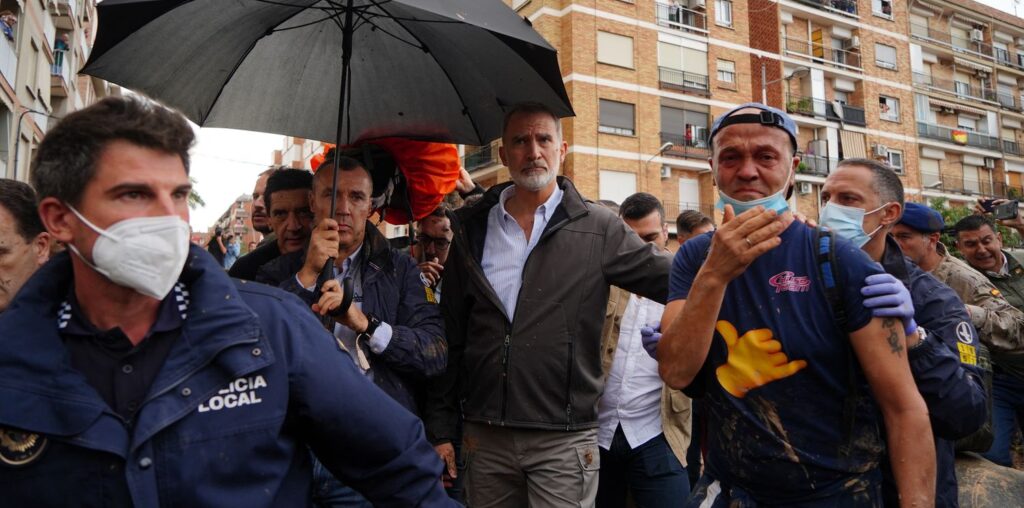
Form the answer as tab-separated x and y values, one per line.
506	247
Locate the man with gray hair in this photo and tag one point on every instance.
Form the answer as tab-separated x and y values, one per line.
526	284
863	202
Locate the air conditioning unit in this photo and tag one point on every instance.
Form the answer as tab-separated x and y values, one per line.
804	188
854	42
881	150
666	172
977	35
697	4
990	163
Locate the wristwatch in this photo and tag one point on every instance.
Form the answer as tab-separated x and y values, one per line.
371	325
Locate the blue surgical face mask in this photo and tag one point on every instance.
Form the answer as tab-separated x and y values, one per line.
775	201
848	222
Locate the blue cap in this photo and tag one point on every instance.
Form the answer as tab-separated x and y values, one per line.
770	117
921	218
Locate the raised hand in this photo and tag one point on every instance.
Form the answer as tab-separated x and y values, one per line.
742	239
650	335
755	359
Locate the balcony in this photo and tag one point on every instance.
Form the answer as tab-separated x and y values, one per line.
1011	147
65	14
683	146
682	80
957	136
817	53
1007	100
60	74
957	44
8	61
479	158
843	7
681	19
816	165
818	108
958	88
1002	56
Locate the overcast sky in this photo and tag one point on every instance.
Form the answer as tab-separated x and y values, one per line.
225	162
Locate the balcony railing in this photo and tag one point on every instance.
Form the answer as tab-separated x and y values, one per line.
958	88
957	44
844	7
817	165
682	79
682	146
819	108
957	136
822	54
8	61
681	18
971	46
1011	147
1002	55
479	157
1007	100
61	70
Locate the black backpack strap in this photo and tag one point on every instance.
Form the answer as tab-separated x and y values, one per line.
829	274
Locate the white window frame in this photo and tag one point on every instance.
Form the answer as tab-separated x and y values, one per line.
880	10
929	178
726	76
616	185
898	168
723	13
885	64
893	104
611	129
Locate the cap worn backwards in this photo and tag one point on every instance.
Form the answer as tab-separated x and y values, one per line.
769	117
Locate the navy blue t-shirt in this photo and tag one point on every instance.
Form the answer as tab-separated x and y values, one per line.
775	417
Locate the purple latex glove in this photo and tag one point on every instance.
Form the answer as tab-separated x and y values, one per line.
888	297
650	335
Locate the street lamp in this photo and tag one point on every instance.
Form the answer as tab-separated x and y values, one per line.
664	148
17	134
799	72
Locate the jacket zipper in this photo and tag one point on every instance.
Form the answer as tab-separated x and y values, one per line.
504	375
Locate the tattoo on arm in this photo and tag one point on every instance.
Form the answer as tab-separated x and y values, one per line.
895	344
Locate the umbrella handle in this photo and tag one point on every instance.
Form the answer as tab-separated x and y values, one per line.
347	288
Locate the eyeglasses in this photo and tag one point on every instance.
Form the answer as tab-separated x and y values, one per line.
439	243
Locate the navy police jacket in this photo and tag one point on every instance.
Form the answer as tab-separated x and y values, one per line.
252	380
945	369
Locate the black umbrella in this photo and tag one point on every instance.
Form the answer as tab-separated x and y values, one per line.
438	70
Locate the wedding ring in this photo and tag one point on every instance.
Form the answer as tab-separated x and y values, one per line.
746	239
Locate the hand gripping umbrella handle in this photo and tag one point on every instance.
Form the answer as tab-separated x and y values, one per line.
347	288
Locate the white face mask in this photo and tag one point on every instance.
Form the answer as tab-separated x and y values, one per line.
146	254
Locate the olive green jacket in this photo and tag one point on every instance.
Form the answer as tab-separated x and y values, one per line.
1008	350
675	407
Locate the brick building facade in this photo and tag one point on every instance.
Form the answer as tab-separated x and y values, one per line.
932	87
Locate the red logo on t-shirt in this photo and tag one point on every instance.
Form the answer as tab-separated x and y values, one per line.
788	281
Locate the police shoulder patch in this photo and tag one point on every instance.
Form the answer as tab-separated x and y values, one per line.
963	333
995	292
19	448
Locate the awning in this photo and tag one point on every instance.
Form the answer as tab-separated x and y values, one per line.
853	144
957	106
1012	123
967	63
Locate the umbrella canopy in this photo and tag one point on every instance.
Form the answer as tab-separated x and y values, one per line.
438	70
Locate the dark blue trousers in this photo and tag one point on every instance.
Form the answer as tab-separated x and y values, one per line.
1007	415
650	473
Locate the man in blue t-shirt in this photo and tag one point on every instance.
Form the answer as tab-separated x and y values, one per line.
788	390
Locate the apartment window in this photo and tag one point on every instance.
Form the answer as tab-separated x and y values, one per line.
972	179
888	108
723	12
842	97
885	56
617	118
967	123
726	71
689	194
615	49
896	160
616	185
882	8
684	128
683	67
929	173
